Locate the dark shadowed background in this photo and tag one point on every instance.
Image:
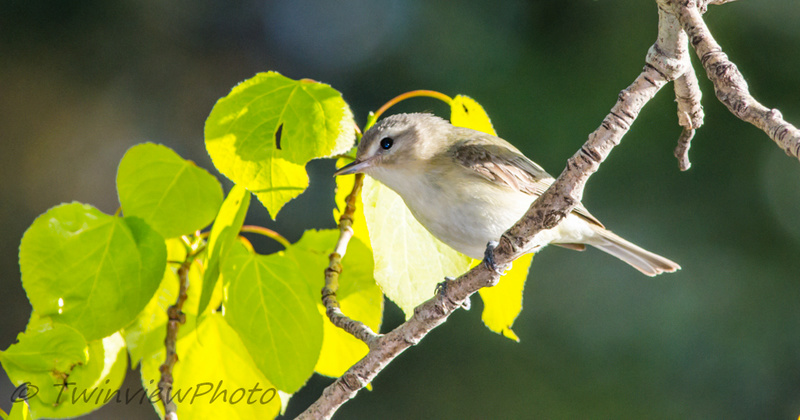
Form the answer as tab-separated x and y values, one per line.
80	82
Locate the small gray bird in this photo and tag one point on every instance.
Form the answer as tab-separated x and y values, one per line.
467	187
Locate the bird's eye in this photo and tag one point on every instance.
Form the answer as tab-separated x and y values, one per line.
386	143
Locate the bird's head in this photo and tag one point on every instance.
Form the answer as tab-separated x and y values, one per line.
399	141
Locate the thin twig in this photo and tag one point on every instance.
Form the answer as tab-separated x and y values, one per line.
703	4
176	318
670	54
332	309
690	114
682	149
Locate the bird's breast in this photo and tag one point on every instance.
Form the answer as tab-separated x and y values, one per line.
463	211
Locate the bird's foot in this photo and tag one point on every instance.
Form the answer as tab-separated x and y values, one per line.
488	258
441	288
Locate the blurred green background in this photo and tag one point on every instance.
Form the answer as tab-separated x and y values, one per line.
82	81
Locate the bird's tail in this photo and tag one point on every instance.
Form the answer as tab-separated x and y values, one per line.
640	259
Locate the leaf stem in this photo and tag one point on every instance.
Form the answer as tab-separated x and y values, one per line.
413	94
246	244
268	233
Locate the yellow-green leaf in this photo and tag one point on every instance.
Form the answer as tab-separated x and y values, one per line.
89	270
359	297
262	134
344	185
65	376
90	386
56	348
226	228
465	112
173	195
145	336
503	302
19	411
409	261
215	377
274	311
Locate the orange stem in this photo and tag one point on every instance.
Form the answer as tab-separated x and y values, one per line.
268	233
413	94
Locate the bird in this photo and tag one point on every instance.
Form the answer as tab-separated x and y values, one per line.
467	187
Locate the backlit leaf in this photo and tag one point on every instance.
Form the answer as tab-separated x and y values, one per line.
466	112
503	303
409	260
171	194
55	349
344	185
359	297
262	134
90	386
226	228
89	270
215	377
145	336
275	313
69	377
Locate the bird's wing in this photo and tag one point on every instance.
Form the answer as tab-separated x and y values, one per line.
498	161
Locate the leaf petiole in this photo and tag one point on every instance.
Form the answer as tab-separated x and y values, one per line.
266	232
412	94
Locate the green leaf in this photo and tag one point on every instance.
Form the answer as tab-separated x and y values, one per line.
275	314
145	336
502	303
89	386
171	194
359	297
89	270
344	186
56	349
268	127
409	261
226	228
19	411
466	112
49	356
215	377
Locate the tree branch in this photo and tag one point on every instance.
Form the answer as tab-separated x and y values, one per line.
729	84
566	192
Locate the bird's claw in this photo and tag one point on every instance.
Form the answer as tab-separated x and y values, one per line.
441	288
488	258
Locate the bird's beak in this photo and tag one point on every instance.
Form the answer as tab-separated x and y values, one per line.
354	167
